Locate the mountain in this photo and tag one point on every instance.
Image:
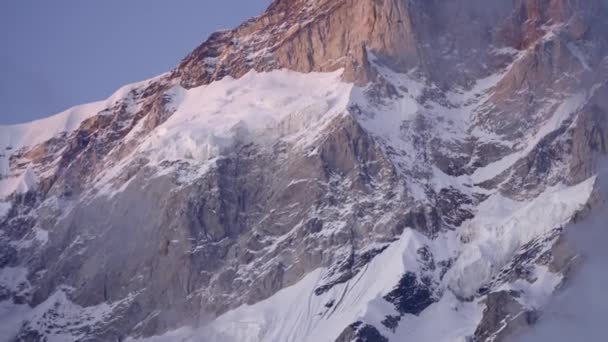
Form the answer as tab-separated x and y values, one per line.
332	170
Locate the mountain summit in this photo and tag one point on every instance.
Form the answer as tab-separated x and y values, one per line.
332	170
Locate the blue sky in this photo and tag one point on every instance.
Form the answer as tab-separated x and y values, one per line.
60	53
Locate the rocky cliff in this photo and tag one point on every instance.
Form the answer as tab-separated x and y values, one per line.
333	170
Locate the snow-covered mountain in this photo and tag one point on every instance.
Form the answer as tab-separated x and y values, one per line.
332	170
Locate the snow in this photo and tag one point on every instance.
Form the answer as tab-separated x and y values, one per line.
566	108
35	132
502	226
15	137
208	120
388	118
449	118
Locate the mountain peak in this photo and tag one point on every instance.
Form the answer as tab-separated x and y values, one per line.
307	36
429	36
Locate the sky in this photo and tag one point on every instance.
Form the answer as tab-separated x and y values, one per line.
60	53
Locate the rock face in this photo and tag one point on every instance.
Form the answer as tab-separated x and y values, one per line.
418	160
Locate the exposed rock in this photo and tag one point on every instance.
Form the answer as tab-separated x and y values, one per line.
360	332
502	317
410	296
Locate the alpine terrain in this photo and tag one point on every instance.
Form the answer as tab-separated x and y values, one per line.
331	170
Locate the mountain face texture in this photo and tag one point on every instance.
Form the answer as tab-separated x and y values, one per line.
332	170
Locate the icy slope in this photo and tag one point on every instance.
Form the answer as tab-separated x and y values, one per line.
209	119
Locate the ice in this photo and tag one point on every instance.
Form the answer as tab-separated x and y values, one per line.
502	226
209	119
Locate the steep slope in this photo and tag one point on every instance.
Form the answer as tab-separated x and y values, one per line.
331	170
